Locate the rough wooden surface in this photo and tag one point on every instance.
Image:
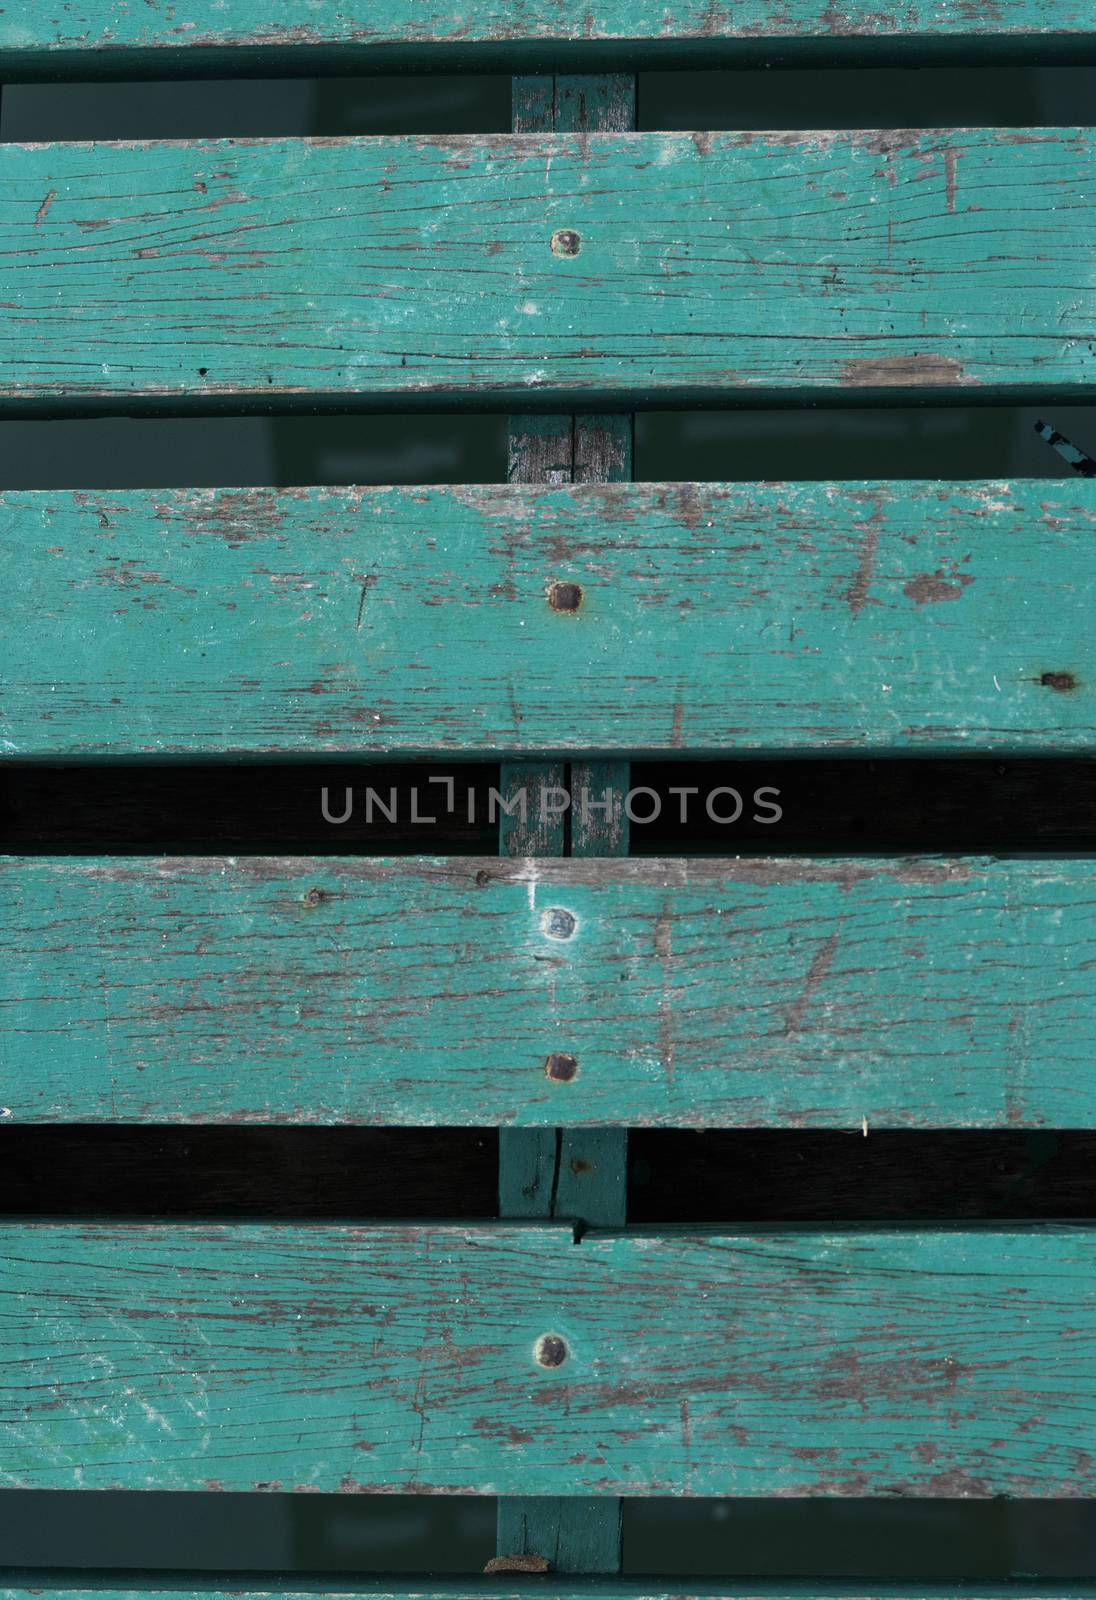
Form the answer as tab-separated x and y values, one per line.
909	993
28	1585
514	269
742	617
286	1173
907	1362
582	1173
109	36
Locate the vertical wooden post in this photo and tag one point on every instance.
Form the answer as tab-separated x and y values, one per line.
578	1174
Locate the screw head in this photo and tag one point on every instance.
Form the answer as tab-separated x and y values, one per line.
561	1067
551	1350
566	242
557	923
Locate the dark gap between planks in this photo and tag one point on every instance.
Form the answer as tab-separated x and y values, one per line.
61	1170
949	1541
739	444
807	1176
828	1178
850	806
756	96
139	1540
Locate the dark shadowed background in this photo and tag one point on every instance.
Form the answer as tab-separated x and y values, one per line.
915	1538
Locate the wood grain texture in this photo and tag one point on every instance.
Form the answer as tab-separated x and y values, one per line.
748	617
565	1172
545	269
741	993
909	1362
112	37
27	1585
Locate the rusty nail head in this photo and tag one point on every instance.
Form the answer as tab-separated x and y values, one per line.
483	877
561	1067
551	1350
566	242
1058	680
313	896
565	596
557	923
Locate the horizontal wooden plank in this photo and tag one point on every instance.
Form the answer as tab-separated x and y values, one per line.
641	617
112	36
68	1585
455	1359
741	993
523	269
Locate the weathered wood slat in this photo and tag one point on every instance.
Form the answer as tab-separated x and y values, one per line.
112	37
441	1359
908	993
548	268
747	617
27	1585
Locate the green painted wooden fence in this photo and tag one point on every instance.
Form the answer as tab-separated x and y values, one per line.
571	270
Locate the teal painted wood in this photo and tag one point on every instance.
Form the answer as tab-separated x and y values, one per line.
27	1585
740	993
555	1172
918	617
600	823
572	1533
532	808
611	269
907	1362
564	1174
83	35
